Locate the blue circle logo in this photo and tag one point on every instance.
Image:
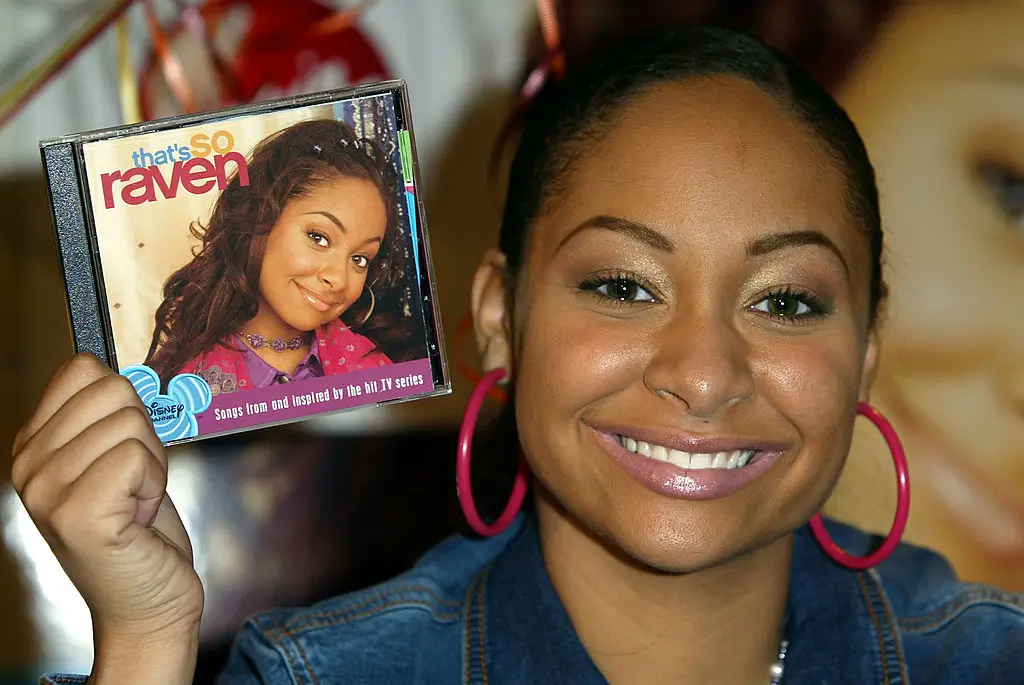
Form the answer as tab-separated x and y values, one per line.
173	414
192	391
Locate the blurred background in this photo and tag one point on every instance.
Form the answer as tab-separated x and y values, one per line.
290	515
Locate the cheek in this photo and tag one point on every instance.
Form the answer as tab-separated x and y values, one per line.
288	257
808	377
357	276
569	360
813	383
570	357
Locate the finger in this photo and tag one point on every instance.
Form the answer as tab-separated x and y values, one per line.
89	406
121	488
76	374
55	474
168	524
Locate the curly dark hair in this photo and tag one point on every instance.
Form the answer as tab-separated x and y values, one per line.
214	295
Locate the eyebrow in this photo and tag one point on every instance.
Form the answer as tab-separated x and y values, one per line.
333	219
341	227
630	229
757	248
782	241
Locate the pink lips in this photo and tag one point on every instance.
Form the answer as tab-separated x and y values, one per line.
315	300
673	481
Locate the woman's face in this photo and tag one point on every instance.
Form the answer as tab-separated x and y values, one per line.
319	251
699	287
940	103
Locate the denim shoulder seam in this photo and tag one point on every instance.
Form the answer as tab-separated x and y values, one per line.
890	646
284	632
366	605
287	652
363	606
971	597
260	631
474	666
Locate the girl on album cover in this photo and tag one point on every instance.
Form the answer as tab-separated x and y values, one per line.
300	271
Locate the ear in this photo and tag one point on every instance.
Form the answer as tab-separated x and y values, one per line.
491	301
870	366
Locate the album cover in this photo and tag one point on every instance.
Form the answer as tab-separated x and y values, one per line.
253	266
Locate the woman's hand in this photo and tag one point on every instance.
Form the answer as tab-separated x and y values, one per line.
92	475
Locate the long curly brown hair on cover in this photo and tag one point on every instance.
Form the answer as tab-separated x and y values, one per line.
213	296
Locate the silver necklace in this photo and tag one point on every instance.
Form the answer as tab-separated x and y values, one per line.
775	672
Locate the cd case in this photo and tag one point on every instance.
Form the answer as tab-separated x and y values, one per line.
255	265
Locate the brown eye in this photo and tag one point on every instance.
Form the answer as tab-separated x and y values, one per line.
785	305
1006	187
623	290
791	306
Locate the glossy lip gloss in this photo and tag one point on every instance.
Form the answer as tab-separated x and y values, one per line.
676	482
314	300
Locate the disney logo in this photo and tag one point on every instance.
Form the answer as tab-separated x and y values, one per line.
161	411
174	414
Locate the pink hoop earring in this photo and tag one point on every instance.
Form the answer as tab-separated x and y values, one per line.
899	459
463	484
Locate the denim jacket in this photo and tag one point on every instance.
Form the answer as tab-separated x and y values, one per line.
479	612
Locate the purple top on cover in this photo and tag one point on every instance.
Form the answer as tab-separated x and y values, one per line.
263	375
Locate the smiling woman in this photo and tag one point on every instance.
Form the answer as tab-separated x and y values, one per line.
287	268
707	326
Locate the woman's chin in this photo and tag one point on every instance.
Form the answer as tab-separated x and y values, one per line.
678	557
671	546
671	560
306	325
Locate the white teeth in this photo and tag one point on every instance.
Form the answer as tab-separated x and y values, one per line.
701	461
736	459
680	459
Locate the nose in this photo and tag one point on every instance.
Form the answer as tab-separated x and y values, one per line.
701	362
334	274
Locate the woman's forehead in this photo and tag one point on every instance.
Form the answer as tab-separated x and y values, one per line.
710	161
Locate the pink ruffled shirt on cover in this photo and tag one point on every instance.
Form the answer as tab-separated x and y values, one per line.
233	366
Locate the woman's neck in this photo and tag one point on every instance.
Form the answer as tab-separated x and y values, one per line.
271	329
719	626
269	326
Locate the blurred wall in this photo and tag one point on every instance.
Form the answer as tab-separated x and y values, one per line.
35	339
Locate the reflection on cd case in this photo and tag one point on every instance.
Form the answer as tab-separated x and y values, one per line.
255	265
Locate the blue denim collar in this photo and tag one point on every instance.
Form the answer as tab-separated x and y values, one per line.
529	635
838	621
829	623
